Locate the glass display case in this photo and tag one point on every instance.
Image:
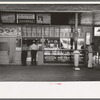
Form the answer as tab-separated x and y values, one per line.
59	48
57	45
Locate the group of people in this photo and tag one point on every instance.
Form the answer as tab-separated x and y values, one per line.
33	48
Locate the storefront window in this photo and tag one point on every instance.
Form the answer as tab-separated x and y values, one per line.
65	32
33	31
52	31
29	32
39	32
57	32
47	32
24	31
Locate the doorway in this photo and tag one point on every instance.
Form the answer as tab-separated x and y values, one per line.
7	50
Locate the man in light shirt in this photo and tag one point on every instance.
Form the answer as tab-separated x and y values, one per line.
33	48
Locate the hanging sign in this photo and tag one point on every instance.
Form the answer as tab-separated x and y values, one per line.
8	18
25	18
43	18
88	34
97	31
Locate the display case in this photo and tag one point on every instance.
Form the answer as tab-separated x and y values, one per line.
57	47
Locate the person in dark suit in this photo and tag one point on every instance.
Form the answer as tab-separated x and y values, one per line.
24	54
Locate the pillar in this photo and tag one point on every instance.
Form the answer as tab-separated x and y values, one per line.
76	30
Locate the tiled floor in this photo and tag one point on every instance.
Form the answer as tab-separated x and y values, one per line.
48	73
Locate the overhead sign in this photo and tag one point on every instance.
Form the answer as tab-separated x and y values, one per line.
25	18
43	18
8	18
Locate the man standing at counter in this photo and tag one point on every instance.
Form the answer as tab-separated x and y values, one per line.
24	53
33	48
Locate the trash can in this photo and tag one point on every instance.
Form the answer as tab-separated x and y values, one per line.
76	60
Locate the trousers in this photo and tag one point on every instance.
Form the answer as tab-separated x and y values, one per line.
33	56
24	57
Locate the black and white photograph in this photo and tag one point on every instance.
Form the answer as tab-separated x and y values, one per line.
50	43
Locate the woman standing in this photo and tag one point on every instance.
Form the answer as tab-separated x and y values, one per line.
90	55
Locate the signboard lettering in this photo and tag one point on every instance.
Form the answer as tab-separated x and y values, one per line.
25	18
8	18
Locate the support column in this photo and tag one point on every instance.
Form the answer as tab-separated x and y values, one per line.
76	21
76	30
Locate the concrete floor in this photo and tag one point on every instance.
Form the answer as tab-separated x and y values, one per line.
48	73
